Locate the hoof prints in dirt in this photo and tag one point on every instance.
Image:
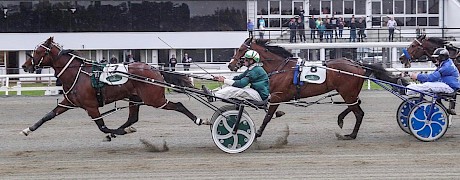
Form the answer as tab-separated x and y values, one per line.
150	147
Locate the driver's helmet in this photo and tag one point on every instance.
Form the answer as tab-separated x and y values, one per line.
251	54
441	54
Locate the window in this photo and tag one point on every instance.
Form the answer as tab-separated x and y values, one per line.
410	21
433	7
326	7
298	6
433	21
197	55
387	6
274	7
399	21
399	7
349	7
376	21
314	8
285	22
410	7
422	21
360	7
422	7
274	22
262	6
286	7
222	55
376	7
337	7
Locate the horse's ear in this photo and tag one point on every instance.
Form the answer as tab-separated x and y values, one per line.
49	40
423	36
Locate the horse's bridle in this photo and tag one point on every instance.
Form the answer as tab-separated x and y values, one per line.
47	53
420	46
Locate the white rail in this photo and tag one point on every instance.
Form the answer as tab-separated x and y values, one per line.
49	90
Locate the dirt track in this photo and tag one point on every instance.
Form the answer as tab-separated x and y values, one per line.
70	146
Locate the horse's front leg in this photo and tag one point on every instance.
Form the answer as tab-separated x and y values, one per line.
61	108
132	118
267	119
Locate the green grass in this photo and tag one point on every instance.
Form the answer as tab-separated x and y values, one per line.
27	93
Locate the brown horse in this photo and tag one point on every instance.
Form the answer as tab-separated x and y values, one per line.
278	63
425	46
75	74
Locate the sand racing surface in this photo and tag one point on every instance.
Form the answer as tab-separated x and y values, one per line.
71	146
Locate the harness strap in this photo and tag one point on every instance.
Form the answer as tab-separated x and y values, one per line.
65	106
162	106
66	66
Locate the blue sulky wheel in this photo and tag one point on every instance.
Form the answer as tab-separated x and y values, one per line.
222	128
424	129
402	115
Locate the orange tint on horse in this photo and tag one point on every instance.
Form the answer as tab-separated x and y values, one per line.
278	62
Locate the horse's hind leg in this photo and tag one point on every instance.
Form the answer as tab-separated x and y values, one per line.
133	115
342	116
181	108
55	112
267	119
359	114
95	115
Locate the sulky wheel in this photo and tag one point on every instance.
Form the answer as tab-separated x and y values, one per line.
222	128
403	113
424	129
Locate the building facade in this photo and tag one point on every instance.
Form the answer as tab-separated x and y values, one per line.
208	30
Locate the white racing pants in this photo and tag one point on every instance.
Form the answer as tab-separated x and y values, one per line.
435	87
240	93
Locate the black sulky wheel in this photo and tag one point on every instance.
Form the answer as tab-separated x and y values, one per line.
402	115
222	127
424	129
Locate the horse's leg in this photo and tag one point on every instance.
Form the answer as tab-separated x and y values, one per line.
95	114
268	117
181	108
133	114
342	116
359	114
55	112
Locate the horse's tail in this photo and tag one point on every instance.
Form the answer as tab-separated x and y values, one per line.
177	79
381	73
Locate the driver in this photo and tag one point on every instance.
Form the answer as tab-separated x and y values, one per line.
255	75
443	80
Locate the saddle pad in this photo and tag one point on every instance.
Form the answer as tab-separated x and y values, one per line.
313	73
109	77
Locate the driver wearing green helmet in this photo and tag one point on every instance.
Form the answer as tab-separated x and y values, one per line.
255	75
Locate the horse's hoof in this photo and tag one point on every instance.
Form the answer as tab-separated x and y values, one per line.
130	130
279	113
343	137
340	123
26	131
107	139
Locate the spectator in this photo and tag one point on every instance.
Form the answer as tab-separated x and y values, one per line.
391	28
293	29
186	60
334	26
329	30
103	61
361	25
301	14
319	22
250	27
130	58
113	60
418	31
312	25
340	25
321	29
352	30
262	22
172	62
261	27
301	30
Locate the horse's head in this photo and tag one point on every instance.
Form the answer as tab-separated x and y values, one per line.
261	47
421	46
42	56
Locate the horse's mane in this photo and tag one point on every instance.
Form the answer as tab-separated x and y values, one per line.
176	79
274	49
438	40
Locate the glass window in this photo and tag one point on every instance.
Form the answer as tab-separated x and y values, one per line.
387	6
262	6
376	7
376	21
433	7
285	22
349	7
274	7
337	6
274	22
410	7
410	21
433	21
314	7
421	7
326	7
422	21
197	55
298	6
399	6
360	7
222	55
399	21
286	7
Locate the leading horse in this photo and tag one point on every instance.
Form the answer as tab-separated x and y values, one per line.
279	64
425	46
75	75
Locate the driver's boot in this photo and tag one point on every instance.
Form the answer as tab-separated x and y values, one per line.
208	93
451	109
